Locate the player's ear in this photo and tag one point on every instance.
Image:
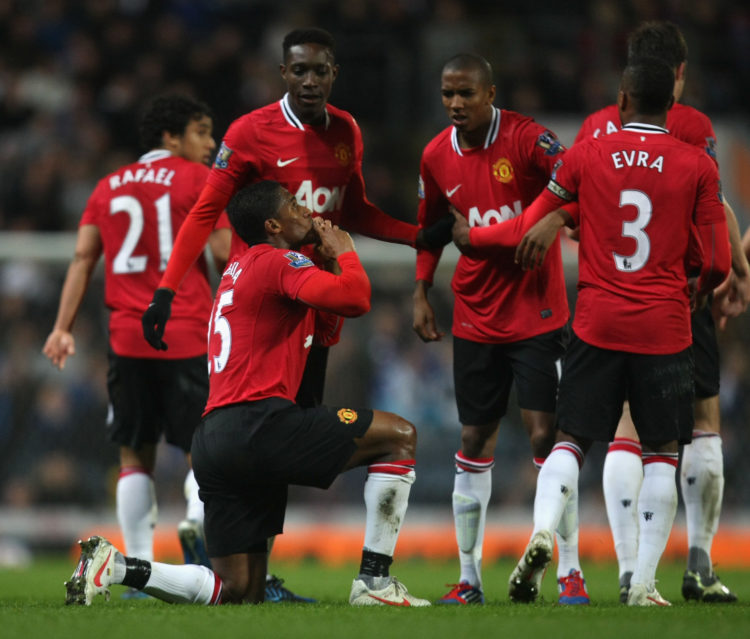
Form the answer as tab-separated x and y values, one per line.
335	71
272	226
491	93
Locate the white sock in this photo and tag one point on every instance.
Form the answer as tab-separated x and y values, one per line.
194	503
622	476
472	487
567	537
702	483
137	511
557	480
187	583
657	505
386	498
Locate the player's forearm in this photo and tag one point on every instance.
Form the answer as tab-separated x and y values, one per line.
193	235
374	223
74	288
509	233
347	294
717	260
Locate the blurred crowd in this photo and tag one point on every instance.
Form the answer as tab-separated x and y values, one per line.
74	74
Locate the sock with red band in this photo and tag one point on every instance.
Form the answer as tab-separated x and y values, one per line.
702	483
621	483
386	498
657	505
472	488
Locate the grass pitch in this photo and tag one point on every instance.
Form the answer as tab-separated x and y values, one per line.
32	606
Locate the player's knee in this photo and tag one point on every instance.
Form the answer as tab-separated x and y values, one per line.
234	590
404	437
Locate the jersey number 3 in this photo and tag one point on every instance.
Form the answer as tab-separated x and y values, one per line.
634	229
125	261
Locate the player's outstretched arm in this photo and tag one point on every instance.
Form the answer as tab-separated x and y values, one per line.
60	343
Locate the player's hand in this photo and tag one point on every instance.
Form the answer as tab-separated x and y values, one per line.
424	318
155	318
333	240
730	299
437	235
534	245
460	232
59	345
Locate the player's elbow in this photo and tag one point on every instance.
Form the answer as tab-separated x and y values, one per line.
357	306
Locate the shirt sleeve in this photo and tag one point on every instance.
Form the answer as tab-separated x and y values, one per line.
511	232
432	206
193	235
710	220
347	294
236	162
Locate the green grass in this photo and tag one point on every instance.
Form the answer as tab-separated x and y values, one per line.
31	607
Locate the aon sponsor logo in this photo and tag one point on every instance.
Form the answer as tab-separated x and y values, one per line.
321	199
492	216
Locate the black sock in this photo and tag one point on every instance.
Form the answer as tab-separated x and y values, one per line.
374	564
137	572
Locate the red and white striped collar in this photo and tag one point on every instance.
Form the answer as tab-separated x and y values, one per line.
492	132
644	128
293	119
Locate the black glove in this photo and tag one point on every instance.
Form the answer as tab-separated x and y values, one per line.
437	235
155	318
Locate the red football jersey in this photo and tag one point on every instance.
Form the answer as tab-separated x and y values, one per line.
320	165
260	334
639	192
138	210
495	300
683	122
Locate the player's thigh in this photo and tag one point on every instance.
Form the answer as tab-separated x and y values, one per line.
661	393
134	415
625	427
183	390
536	364
483	377
592	390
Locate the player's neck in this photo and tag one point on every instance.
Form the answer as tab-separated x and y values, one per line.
655	120
473	139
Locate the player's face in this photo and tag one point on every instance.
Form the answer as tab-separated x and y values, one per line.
467	101
309	73
296	221
196	143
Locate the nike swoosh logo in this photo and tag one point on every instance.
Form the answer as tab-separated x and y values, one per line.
453	190
98	575
403	602
280	162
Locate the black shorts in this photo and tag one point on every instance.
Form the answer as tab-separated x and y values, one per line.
483	375
149	397
245	456
596	381
706	353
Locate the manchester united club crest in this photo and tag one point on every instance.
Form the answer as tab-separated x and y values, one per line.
343	153
347	415
502	170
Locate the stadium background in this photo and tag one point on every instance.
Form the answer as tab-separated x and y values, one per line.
73	75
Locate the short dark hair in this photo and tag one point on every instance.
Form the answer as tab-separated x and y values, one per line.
658	39
650	83
308	36
471	62
251	206
171	113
